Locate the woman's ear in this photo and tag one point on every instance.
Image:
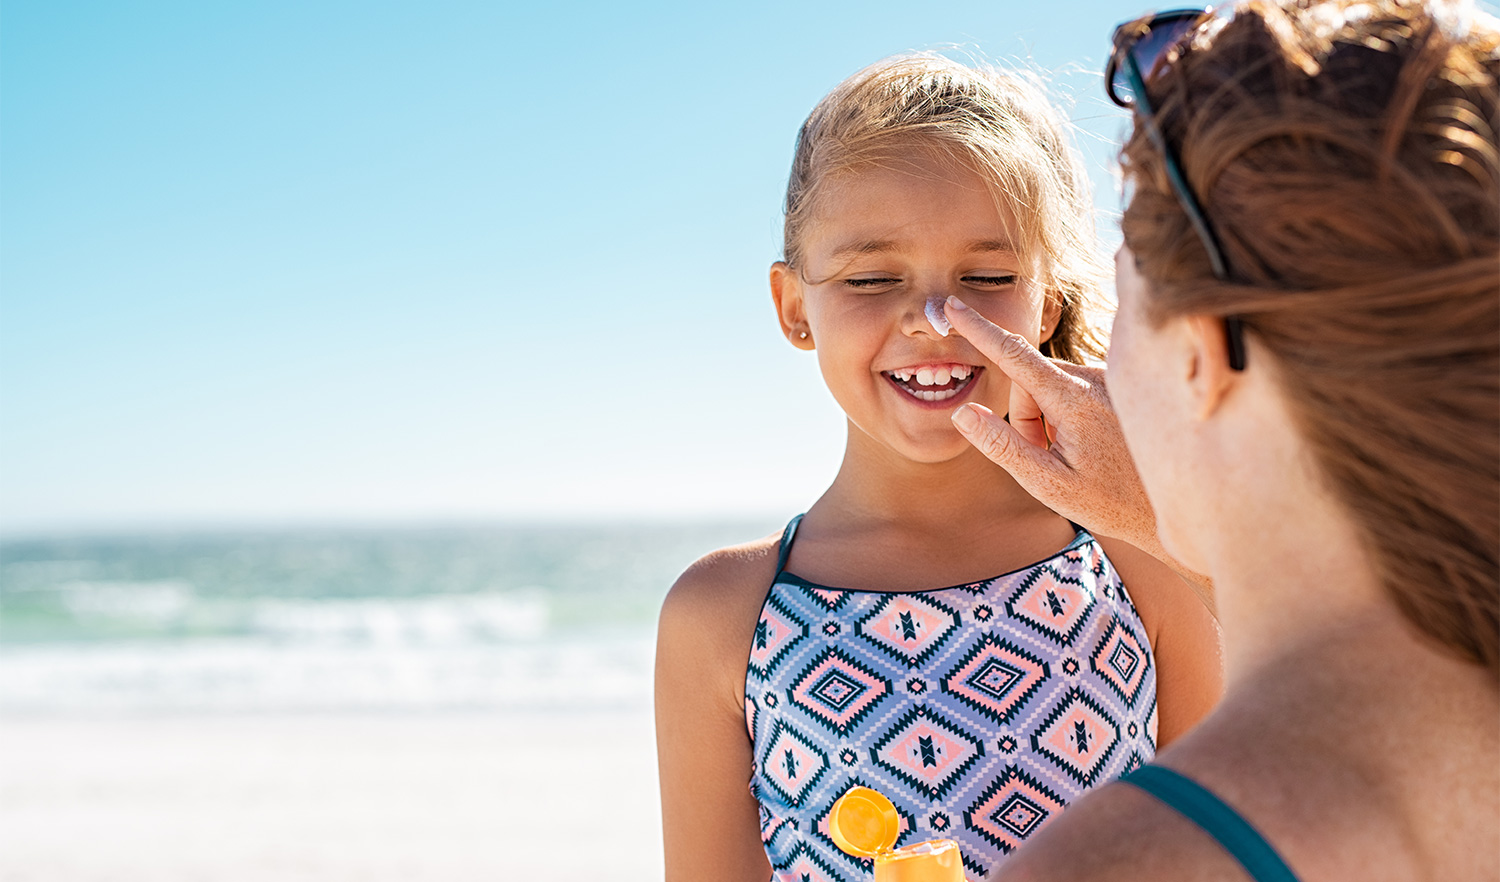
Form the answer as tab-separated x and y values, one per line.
786	291
1209	376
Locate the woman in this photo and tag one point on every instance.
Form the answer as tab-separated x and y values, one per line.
1306	370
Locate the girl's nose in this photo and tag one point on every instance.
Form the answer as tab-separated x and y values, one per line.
936	316
922	314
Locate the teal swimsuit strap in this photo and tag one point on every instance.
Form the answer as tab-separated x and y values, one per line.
787	537
1197	804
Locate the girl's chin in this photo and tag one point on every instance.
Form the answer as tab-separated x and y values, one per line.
937	451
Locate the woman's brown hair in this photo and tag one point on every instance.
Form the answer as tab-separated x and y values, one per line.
1346	155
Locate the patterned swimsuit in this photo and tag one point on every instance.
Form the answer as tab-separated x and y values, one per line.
981	710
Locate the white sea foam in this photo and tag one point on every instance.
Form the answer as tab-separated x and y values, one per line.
440	620
260	675
500	617
158	601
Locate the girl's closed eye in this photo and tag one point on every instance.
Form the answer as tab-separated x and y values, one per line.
867	283
991	280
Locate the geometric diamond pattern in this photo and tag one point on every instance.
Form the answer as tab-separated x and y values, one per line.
792	763
996	678
927	751
1011	809
1057	607
838	691
829	598
772	826
777	632
1120	662
909	627
1078	736
980	710
804	865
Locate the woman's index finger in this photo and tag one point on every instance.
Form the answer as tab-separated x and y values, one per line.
1012	353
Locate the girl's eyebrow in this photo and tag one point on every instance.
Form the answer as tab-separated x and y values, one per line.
985	246
881	246
865	246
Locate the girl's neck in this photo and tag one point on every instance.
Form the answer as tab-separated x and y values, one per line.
890	524
876	484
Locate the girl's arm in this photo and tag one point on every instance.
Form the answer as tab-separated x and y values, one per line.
1184	635
710	820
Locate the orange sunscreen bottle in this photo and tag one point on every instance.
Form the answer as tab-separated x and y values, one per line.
865	824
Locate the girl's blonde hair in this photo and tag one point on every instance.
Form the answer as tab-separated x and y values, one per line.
1000	124
1347	153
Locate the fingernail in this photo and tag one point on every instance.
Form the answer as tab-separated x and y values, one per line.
966	419
956	303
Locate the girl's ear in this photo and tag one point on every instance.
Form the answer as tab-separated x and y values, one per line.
786	291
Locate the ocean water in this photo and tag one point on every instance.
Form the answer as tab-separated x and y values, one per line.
453	618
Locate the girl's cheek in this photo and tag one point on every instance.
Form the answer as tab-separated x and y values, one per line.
1019	312
1016	319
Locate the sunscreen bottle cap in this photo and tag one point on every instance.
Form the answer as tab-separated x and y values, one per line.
864	823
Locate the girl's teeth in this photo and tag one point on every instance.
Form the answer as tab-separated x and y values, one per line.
913	381
935	376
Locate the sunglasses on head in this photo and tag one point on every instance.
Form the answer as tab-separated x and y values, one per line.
1142	49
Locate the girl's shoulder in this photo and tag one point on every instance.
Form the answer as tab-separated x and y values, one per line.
723	580
709	615
1161	597
1184	638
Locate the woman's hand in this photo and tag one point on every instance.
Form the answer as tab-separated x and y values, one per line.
1063	443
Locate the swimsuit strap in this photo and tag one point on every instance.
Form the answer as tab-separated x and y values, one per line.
1194	802
788	536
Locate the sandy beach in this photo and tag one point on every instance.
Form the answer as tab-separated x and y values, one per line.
495	795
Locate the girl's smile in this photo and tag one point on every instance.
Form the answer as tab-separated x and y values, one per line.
935	384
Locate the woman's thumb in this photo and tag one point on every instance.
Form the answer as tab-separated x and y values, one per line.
997	440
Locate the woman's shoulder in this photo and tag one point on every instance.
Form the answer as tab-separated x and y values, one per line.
712	607
1311	796
1121	834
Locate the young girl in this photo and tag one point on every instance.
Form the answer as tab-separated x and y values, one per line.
835	654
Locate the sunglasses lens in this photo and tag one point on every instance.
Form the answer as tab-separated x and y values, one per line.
1150	50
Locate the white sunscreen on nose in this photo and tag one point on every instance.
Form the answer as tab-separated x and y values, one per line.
936	316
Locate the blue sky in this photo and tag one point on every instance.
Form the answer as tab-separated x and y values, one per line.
345	262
